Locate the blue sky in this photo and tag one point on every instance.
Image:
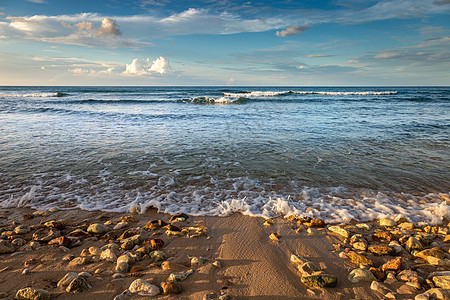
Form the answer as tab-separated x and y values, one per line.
225	42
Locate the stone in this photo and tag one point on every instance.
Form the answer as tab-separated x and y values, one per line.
435	293
30	293
79	261
80	233
409	276
155	224
120	225
318	223
112	246
322	280
61	241
383	235
431	252
442	281
168	265
170	288
406	226
178	218
379	287
174	233
297	260
122	267
412	244
108	255
144	288
124	295
5	247
380	249
393	264
359	259
438	262
308	268
45	235
198	261
217	264
268	223
97	228
364	226
26	271
128	258
180	276
67	279
415	285
341	231
154	244
357	275
78	285
157	255
129	243
388	222
95	251
22	229
396	247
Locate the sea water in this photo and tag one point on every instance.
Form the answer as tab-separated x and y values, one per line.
328	152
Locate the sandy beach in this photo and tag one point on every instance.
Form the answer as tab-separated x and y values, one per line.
239	256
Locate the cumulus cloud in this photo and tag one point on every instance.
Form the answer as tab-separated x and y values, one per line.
84	26
143	67
109	27
292	30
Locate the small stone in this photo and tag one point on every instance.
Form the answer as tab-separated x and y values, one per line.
431	252
317	223
396	247
85	274
297	260
178	218
19	242
154	244
168	265
118	276
67	279
364	226
157	255
393	264
5	247
409	276
78	285
170	288
217	264
268	223
406	226
381	249
61	241
415	285
45	235
124	295
55	224
383	235
341	231
144	288
442	281
120	225
323	280
108	255
357	275
379	287
174	233
97	228
85	252
53	209
128	258
359	259
95	251
155	224
122	267
26	271
435	293
438	262
413	244
79	261
180	276
30	293
79	233
22	229
388	222
198	261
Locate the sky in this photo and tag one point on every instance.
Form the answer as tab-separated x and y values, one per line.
225	42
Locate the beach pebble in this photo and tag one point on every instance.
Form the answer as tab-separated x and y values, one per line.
364	226
155	224
357	275
78	261
381	288
95	251
61	241
341	231
180	276
435	293
431	252
67	279
178	218
108	255
120	225
45	235
393	264
30	293
80	233
97	228
322	280
128	258
383	235
297	260
274	237
308	269
168	265
268	223
19	242
198	261
78	285
26	271
380	249
388	222
171	288
442	281
144	288
217	264
406	226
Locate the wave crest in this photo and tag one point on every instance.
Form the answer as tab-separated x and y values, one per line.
255	94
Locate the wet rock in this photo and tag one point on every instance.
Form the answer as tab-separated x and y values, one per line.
155	224
412	244
268	223
318	223
55	224
174	233
442	281
381	288
5	247
97	228
364	226
217	264
26	271
157	255
22	229
381	250
409	276
170	288
435	293
108	255
61	241
396	247
406	226
136	269
438	262
30	293
359	259
180	276
120	225
383	235
322	280
67	279
341	231
388	222
112	246
144	288
154	244
78	285
178	218
132	241
357	275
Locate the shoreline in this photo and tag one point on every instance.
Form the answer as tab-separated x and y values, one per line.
254	258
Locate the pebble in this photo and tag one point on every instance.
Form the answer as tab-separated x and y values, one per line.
108	255
180	276
97	228
198	261
308	268
26	271
122	267
5	247
120	225
32	293
124	295
380	249
413	244
357	275
19	242
22	229
78	285
144	288
341	231
157	255
322	280
171	288
388	222
168	265
442	281
95	251
409	276
359	259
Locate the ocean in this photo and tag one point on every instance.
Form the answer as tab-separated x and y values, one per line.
340	154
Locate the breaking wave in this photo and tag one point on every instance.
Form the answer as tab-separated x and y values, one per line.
275	94
34	95
219	100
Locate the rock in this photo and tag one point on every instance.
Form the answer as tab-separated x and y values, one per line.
95	251
174	233
357	275
409	276
79	261
5	247
308	269
381	249
413	244
45	235
128	258
85	274
144	288
22	229
339	230
297	260
155	224
388	222
97	228
318	223
431	252
108	255
55	224
415	285
122	267
268	223
167	265
436	293
274	237
157	255
124	295
359	259
383	235
180	276
198	261
442	281
154	244
30	293
438	262
396	247
178	218
379	287
170	288
226	297
393	264
61	241
364	226
406	226
26	271
132	241
120	225
217	264
323	280
79	233
113	247
78	285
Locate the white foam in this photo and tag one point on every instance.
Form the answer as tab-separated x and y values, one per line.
32	95
256	94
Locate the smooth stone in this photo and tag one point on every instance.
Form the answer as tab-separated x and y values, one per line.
78	285
438	262
409	276
128	258
85	274
406	290
171	288
97	228
323	280
357	275
442	281
144	288
180	276
415	285
120	225
383	235
406	226
26	271
30	293
78	261
61	241
95	251
67	279
435	293
178	218
113	247
379	287
388	222
217	264
364	226
359	259
198	261
108	255
339	230
361	246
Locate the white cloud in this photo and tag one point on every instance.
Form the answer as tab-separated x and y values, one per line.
109	27
292	30
144	68
37	1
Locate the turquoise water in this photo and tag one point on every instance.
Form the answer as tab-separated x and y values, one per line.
336	153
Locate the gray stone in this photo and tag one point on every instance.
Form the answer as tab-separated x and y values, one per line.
357	275
144	288
122	267
97	228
